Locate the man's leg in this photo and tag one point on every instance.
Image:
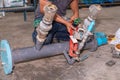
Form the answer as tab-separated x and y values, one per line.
58	32
62	34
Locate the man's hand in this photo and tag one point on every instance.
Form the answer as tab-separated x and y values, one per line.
73	18
69	26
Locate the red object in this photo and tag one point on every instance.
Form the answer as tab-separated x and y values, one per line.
73	46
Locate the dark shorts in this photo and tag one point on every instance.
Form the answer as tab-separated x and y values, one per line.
58	32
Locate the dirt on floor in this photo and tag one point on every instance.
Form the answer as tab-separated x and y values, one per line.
18	33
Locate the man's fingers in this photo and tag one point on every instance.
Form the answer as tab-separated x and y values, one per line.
73	27
68	29
71	21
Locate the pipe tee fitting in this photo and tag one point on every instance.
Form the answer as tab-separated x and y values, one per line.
46	23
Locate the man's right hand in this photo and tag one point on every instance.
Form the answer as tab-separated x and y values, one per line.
69	26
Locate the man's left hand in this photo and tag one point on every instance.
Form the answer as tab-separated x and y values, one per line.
73	18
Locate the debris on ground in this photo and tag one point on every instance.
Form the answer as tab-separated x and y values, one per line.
116	51
110	63
111	38
115	40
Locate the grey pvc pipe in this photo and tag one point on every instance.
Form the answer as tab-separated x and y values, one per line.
31	53
36	52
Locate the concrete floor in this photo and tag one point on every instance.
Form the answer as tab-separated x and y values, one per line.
18	33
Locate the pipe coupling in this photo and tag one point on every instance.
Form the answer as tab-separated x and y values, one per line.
46	23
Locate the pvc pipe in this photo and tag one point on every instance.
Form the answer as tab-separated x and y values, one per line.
31	53
39	51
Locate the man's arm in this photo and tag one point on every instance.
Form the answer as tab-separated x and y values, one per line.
75	9
57	18
42	3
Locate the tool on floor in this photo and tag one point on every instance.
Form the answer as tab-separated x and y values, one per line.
73	42
11	57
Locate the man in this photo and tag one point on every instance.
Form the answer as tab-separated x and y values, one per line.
60	26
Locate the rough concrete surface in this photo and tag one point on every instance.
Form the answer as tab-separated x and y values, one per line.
18	33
